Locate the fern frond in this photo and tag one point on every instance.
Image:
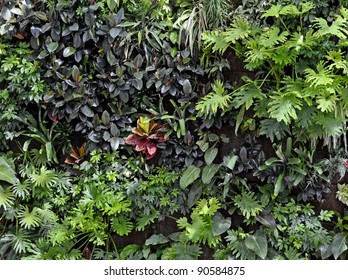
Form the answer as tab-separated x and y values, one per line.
205	207
217	99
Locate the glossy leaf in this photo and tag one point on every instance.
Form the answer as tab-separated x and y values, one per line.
230	161
7	173
189	176
87	111
156	239
220	224
339	244
258	244
208	173
210	155
68	51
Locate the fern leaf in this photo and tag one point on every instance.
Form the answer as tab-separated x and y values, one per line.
284	106
210	207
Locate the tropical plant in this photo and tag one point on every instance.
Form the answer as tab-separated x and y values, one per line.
146	136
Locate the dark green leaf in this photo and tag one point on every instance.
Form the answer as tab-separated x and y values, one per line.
210	155
266	219
87	111
119	16
208	172
189	176
68	51
111	4
114	130
35	31
339	244
187	88
220	224
258	244
105	118
41	15
51	47
156	239
138	61
74	27
194	194
75	74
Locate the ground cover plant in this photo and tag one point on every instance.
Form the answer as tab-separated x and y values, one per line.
173	129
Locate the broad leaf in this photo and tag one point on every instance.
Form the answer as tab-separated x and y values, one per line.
210	155
258	244
189	176
156	239
339	244
208	172
220	224
230	161
7	173
68	51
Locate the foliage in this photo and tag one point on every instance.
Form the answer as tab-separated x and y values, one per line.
145	137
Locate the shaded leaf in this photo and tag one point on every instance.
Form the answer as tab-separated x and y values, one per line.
258	244
230	161
210	155
208	172
7	173
156	239
87	111
339	244
68	51
220	224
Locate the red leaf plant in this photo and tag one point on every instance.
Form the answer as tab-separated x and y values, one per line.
146	136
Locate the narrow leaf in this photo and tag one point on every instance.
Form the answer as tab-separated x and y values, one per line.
208	172
210	155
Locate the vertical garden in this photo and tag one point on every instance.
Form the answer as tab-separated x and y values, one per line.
163	129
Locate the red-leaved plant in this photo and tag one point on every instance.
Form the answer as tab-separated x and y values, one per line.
146	136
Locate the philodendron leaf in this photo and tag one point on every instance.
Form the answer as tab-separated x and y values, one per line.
339	244
220	224
258	244
210	155
156	239
189	176
266	219
208	172
7	173
230	161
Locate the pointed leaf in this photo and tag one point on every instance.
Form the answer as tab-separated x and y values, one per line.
114	143
156	239
220	224
208	172
5	13
189	176
258	244
210	155
87	111
75	74
339	244
187	88
7	173
230	161
68	51
51	47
